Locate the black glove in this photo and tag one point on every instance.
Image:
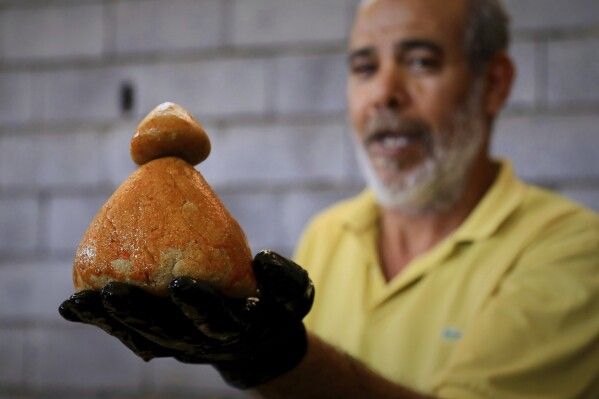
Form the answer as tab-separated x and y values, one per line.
249	341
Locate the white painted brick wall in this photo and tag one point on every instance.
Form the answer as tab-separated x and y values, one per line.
116	157
288	21
81	357
70	159
19	221
525	92
207	88
150	26
553	14
573	71
18	163
68	218
12	357
33	290
299	207
80	94
260	215
16	97
276	154
586	196
169	376
52	32
550	147
50	160
310	84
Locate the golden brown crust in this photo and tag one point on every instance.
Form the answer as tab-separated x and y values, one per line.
164	221
169	130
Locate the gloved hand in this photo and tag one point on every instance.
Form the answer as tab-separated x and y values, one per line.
249	341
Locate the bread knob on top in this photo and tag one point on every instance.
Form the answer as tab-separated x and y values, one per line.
165	221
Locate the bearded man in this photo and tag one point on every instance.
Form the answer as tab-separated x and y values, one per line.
448	277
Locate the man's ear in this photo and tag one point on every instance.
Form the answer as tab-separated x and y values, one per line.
499	77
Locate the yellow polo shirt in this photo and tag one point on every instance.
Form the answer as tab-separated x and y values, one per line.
505	307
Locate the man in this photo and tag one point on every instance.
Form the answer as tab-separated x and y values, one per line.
447	278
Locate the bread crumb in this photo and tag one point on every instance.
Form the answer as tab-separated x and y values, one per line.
122	266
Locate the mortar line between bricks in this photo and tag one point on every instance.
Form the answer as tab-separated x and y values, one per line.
556	34
29	354
226	33
104	126
230	52
590	109
109	28
542	74
226	53
27	4
271	87
8	259
80	191
78	393
42	221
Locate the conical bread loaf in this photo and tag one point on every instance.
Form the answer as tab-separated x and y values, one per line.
165	221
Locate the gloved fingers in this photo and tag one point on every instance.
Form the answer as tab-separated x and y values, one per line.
154	317
83	307
86	307
284	283
211	312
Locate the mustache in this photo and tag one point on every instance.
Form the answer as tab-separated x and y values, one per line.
387	122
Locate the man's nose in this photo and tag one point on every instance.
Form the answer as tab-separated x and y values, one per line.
390	89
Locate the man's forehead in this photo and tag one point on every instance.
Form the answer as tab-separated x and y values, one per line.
427	17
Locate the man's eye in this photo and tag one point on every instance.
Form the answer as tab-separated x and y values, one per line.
422	63
363	69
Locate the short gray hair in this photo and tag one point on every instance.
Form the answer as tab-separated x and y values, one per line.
486	32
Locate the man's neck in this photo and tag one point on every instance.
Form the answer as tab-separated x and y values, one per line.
404	237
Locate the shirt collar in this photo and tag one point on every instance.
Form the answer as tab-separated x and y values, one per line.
502	199
363	213
496	206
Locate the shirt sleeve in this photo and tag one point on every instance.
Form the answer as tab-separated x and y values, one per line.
538	335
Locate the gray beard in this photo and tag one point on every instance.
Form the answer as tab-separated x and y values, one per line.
437	183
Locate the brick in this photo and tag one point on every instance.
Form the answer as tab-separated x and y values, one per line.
34	290
16	97
276	154
115	151
19	164
143	26
213	88
588	196
70	159
170	376
573	69
310	84
260	217
52	32
300	207
50	159
68	218
18	224
81	94
12	356
550	147
82	357
553	14
207	88
524	92
288	21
